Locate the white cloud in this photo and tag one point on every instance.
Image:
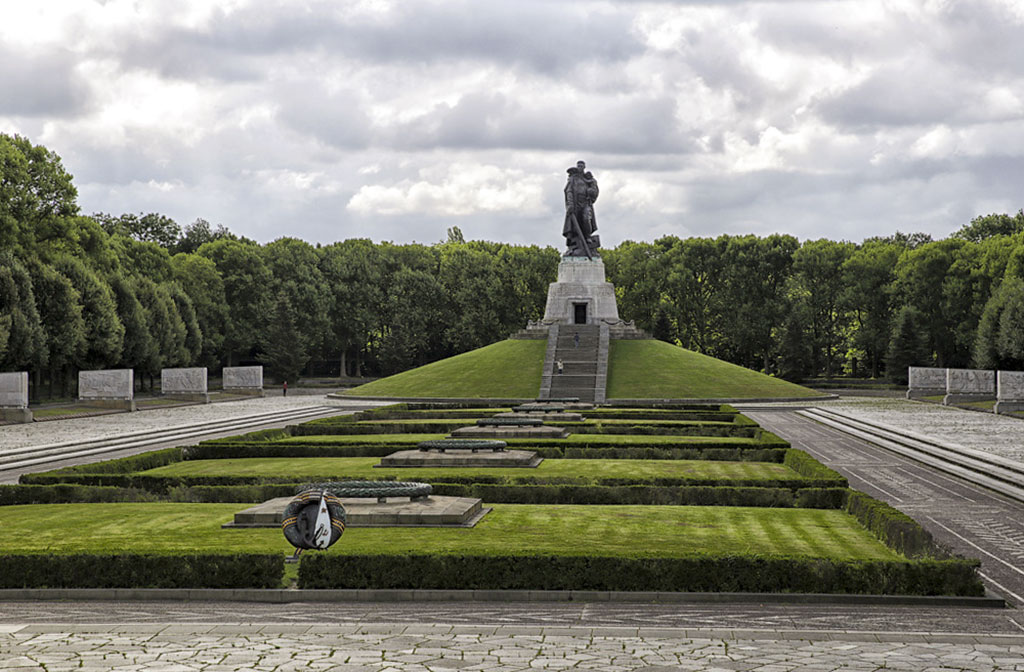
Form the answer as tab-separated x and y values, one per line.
460	190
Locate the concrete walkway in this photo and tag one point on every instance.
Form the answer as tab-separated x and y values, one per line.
430	647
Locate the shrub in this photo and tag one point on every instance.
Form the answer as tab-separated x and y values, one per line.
691	574
141	571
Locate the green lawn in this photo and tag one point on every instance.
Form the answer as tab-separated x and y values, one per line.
506	369
657	370
358	468
622	531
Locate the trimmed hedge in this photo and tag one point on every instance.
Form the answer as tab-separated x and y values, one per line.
122	465
209	450
691	574
807	498
896	529
61	493
141	571
808	467
165	484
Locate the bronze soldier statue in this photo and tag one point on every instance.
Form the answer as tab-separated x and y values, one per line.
580	223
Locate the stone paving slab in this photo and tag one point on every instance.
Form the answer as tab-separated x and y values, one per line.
403	647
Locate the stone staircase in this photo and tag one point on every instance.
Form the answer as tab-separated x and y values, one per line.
584	365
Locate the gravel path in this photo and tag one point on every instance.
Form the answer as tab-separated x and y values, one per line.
989	432
74	429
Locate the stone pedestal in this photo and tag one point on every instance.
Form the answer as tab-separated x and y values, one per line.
967	385
243	380
581	295
185	384
925	381
14	397
1009	392
111	388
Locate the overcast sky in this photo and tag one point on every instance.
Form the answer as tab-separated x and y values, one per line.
395	120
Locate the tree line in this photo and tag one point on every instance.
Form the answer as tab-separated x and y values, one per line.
139	291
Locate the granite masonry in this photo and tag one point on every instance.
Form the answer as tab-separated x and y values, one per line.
926	381
111	388
1009	392
966	385
243	380
14	397
185	384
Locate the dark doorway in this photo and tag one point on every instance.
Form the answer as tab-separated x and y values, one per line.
579	313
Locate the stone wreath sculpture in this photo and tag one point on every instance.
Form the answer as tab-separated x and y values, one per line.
315	518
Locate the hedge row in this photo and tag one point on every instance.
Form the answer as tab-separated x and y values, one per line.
165	484
896	529
141	571
808	467
447	426
122	465
806	498
210	450
693	574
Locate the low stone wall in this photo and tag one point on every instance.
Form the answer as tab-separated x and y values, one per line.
110	388
14	397
187	384
1009	391
243	380
925	381
965	385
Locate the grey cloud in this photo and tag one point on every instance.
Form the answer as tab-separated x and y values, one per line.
334	118
40	84
543	36
637	124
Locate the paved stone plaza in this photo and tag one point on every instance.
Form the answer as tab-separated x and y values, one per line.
216	636
431	647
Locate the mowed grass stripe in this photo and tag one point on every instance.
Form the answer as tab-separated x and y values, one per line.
619	531
330	468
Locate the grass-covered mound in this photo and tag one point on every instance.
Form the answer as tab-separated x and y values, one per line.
507	369
641	369
657	370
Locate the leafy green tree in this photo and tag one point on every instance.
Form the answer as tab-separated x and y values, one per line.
152	227
909	344
818	267
104	332
1010	340
283	343
413	313
295	268
37	197
794	342
140	349
166	327
662	329
25	346
193	332
247	282
198	277
632	268
198	233
144	258
757	273
60	313
691	275
984	227
868	276
354	275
